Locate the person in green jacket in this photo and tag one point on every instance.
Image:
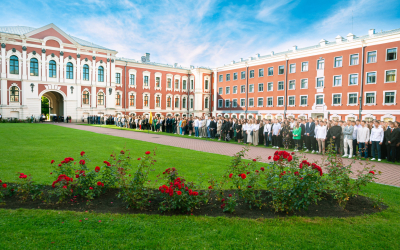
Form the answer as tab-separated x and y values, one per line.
154	124
296	136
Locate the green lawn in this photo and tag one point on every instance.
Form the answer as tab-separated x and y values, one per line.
30	147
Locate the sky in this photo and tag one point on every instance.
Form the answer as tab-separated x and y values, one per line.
204	33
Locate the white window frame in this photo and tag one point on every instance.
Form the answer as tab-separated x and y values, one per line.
242	75
301	80
348	99
258	98
341	81
145	73
241	89
365	98
170	77
227	90
350	77
294	85
316	99
376	53
277	101
294	105
262	87
290	68
157	74
228	75
220	78
250	73
233	89
384	97
272	89
237	77
323	66
358	54
366	77
251	85
271	102
334	62
251	98
155	100
166	101
316	83
229	100
234	106
220	101
272	71
283	69
283	86
263	73
143	95
220	91
242	99
333	95
302	105
397	52
302	66
395	80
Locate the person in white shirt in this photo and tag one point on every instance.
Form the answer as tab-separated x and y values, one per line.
376	140
362	139
276	131
256	127
320	133
250	132
196	127
267	131
348	139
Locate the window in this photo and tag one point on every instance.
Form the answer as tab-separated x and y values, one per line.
14	65
371	77
184	84
260	102
354	59
52	69
191	84
260	72
146	101
304	84
131	100
251	88
242	88
337	81
227	90
260	87
100	74
70	71
352	99
270	86
389	97
220	103
280	86
390	76
220	91
34	69
205	103
243	75
370	98
176	84
117	75
251	73
117	99
228	77
146	81
337	99
338	61
292	84
85	97
281	70
304	66
227	103
353	79
271	71
251	102
221	77
291	101
371	57
320	99
234	90
206	84
176	102
234	103
168	102
280	101
242	102
191	103
320	82
14	94
158	81
391	54
292	68
270	101
320	64
158	101
169	83
100	98
303	100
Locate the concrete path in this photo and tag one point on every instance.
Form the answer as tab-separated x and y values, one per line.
390	172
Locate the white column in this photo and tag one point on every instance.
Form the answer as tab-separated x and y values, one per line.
44	75
61	69
215	93
24	66
94	97
112	73
3	92
3	62
108	81
94	79
78	71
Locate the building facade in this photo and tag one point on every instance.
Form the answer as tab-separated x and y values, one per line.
335	80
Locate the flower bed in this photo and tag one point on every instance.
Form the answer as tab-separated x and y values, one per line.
288	185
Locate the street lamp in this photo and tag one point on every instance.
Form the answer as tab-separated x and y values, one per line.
32	85
359	116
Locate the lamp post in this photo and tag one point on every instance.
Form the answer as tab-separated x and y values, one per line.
359	116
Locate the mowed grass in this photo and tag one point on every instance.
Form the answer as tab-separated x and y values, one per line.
30	147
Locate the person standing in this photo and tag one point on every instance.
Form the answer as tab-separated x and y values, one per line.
244	129
256	127
250	132
238	130
362	139
348	139
334	133
276	130
267	133
296	136
213	128
376	140
208	127
321	137
196	127
310	127
393	139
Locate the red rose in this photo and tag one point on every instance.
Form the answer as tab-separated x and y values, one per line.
223	205
52	161
147	152
296	173
371	172
301	178
107	163
97	169
249	186
82	162
91	188
4	185
230	175
1	181
59	165
254	160
243	176
230	195
82	153
269	157
65	187
178	192
122	152
222	200
77	176
276	157
262	168
289	158
210	187
139	160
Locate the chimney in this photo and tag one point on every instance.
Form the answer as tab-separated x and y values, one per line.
250	58
175	65
147	57
241	59
371	32
339	39
323	42
294	48
257	55
350	37
272	53
233	62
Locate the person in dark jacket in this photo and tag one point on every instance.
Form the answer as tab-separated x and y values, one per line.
213	128
393	139
310	131
303	131
334	133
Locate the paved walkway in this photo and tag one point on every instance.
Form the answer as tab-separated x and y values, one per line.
390	172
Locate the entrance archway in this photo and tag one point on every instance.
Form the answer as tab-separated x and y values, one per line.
56	103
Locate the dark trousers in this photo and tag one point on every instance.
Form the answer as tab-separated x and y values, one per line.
362	148
276	140
314	143
301	142
393	150
297	144
354	147
308	142
212	133
266	139
336	144
375	146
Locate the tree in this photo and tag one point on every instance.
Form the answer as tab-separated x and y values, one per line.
45	105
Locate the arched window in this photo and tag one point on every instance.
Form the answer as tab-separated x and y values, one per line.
168	102
176	102
176	84
52	69
100	98
14	66
184	102
14	94
85	73
117	99
131	99
146	100
158	101
85	97
34	69
206	103
100	76
70	71
206	85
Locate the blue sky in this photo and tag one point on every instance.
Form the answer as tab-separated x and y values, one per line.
203	33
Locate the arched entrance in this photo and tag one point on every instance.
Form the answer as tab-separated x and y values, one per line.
56	103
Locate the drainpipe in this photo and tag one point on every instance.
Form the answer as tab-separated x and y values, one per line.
247	88
286	72
126	63
362	78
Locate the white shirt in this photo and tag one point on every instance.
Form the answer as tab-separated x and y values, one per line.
256	127
196	123
363	135
276	128
244	127
376	134
320	132
208	122
267	128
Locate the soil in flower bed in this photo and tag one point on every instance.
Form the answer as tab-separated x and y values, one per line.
109	203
